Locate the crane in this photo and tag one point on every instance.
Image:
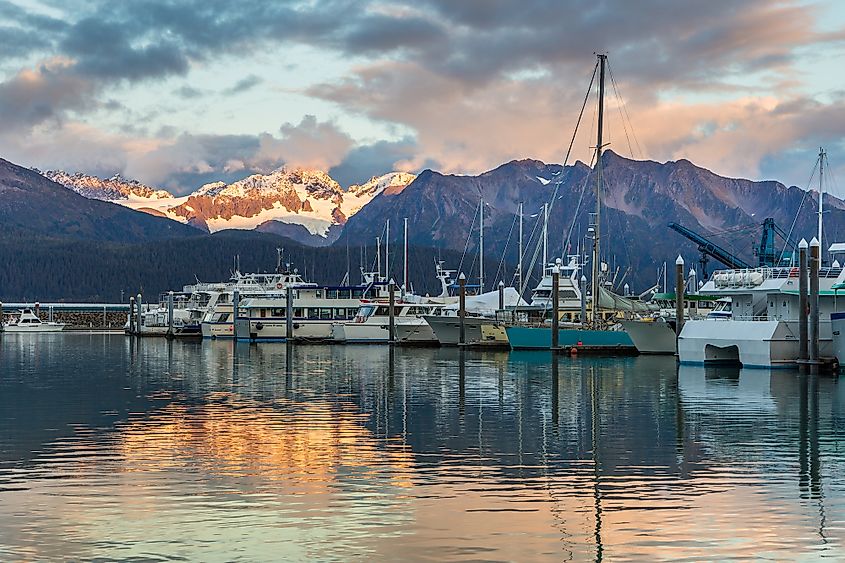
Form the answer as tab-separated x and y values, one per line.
708	249
767	253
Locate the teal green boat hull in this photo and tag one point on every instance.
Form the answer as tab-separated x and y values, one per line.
540	338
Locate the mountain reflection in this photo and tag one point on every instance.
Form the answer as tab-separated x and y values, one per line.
359	452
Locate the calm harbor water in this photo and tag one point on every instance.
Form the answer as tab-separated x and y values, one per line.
119	449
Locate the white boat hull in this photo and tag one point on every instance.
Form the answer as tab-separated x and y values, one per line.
44	327
478	331
407	331
651	337
267	330
217	330
764	343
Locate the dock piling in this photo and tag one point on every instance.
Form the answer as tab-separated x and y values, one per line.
289	314
138	301
391	288
583	300
501	295
169	314
803	303
815	256
679	296
556	306
236	309
462	305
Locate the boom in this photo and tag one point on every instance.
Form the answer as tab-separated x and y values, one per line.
708	248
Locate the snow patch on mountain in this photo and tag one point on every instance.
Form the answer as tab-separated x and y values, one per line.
298	196
116	188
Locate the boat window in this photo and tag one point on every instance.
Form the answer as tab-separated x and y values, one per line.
340	313
263	313
299	312
313	313
325	313
319	294
224	317
278	312
331	294
357	293
382	311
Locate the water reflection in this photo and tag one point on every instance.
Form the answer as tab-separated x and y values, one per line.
124	448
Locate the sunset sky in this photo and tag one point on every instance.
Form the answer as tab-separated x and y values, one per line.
180	93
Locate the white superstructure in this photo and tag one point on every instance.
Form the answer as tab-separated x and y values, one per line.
27	321
762	329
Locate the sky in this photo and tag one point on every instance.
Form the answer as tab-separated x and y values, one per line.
180	93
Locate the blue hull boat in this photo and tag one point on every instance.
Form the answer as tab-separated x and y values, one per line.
540	338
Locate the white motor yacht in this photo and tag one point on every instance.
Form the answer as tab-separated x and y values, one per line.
28	321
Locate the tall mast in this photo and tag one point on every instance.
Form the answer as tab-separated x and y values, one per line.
481	247
520	248
387	250
378	257
405	260
545	237
597	227
821	194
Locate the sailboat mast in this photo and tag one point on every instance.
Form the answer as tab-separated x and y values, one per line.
545	237
378	257
821	193
597	227
520	247
481	247
387	250
405	260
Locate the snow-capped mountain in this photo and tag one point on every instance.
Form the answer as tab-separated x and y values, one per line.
291	196
111	189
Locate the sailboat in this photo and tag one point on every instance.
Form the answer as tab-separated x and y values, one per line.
603	304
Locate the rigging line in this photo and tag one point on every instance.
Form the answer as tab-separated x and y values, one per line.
562	170
469	236
504	251
798	211
527	243
831	178
622	116
623	110
587	178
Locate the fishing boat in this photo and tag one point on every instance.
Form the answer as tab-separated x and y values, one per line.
27	321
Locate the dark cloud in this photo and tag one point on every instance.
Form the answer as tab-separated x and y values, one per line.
188	161
365	161
188	92
34	96
244	84
446	70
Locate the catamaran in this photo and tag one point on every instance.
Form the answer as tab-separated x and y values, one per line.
763	327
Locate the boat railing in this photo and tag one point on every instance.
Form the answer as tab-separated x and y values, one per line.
755	276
